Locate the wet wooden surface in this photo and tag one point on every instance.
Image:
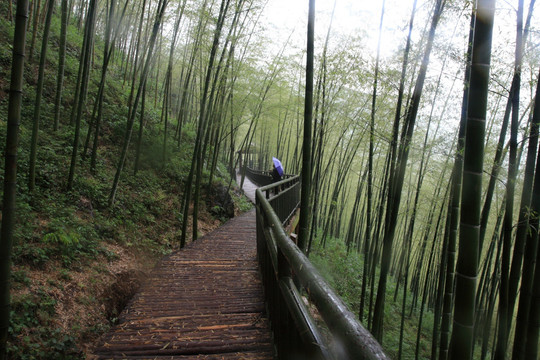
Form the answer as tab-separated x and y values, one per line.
248	188
203	302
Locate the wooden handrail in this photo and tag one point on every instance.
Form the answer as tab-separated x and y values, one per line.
286	273
284	196
258	177
263	177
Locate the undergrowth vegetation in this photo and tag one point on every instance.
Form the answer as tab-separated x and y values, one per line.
343	271
69	245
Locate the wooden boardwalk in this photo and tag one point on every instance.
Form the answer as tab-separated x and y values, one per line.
203	302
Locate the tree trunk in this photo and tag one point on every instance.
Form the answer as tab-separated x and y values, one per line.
396	184
521	235
10	11
306	147
139	137
131	119
531	347
74	108
372	134
143	100
493	286
61	63
10	168
429	272
504	311
95	120
89	33
37	104
204	115
37	7
530	220
467	264
457	174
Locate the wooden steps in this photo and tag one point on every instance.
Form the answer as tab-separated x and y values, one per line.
203	302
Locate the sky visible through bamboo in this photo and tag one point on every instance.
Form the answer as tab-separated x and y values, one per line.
363	16
286	21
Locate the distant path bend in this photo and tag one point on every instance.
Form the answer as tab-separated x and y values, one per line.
203	302
248	188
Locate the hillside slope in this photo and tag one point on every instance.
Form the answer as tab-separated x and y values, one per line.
76	261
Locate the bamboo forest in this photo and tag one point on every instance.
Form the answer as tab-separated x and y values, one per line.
269	179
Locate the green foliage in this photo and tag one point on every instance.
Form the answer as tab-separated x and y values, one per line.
19	278
33	331
30	253
59	232
344	273
62	240
66	244
241	201
216	208
94	189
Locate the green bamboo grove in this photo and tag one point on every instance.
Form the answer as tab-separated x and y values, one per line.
418	154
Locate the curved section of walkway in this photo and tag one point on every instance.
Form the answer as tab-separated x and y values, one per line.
248	187
203	302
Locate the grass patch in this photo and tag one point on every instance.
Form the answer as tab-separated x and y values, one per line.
344	273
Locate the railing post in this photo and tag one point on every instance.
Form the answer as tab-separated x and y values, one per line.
285	322
296	334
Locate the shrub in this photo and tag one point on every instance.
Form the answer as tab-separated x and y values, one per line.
32	333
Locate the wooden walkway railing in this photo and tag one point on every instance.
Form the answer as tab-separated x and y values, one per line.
290	280
204	302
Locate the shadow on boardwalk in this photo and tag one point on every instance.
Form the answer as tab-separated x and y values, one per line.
204	302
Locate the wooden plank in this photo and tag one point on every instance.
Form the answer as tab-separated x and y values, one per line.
204	302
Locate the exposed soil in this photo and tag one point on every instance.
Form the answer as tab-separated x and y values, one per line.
86	299
89	299
120	282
